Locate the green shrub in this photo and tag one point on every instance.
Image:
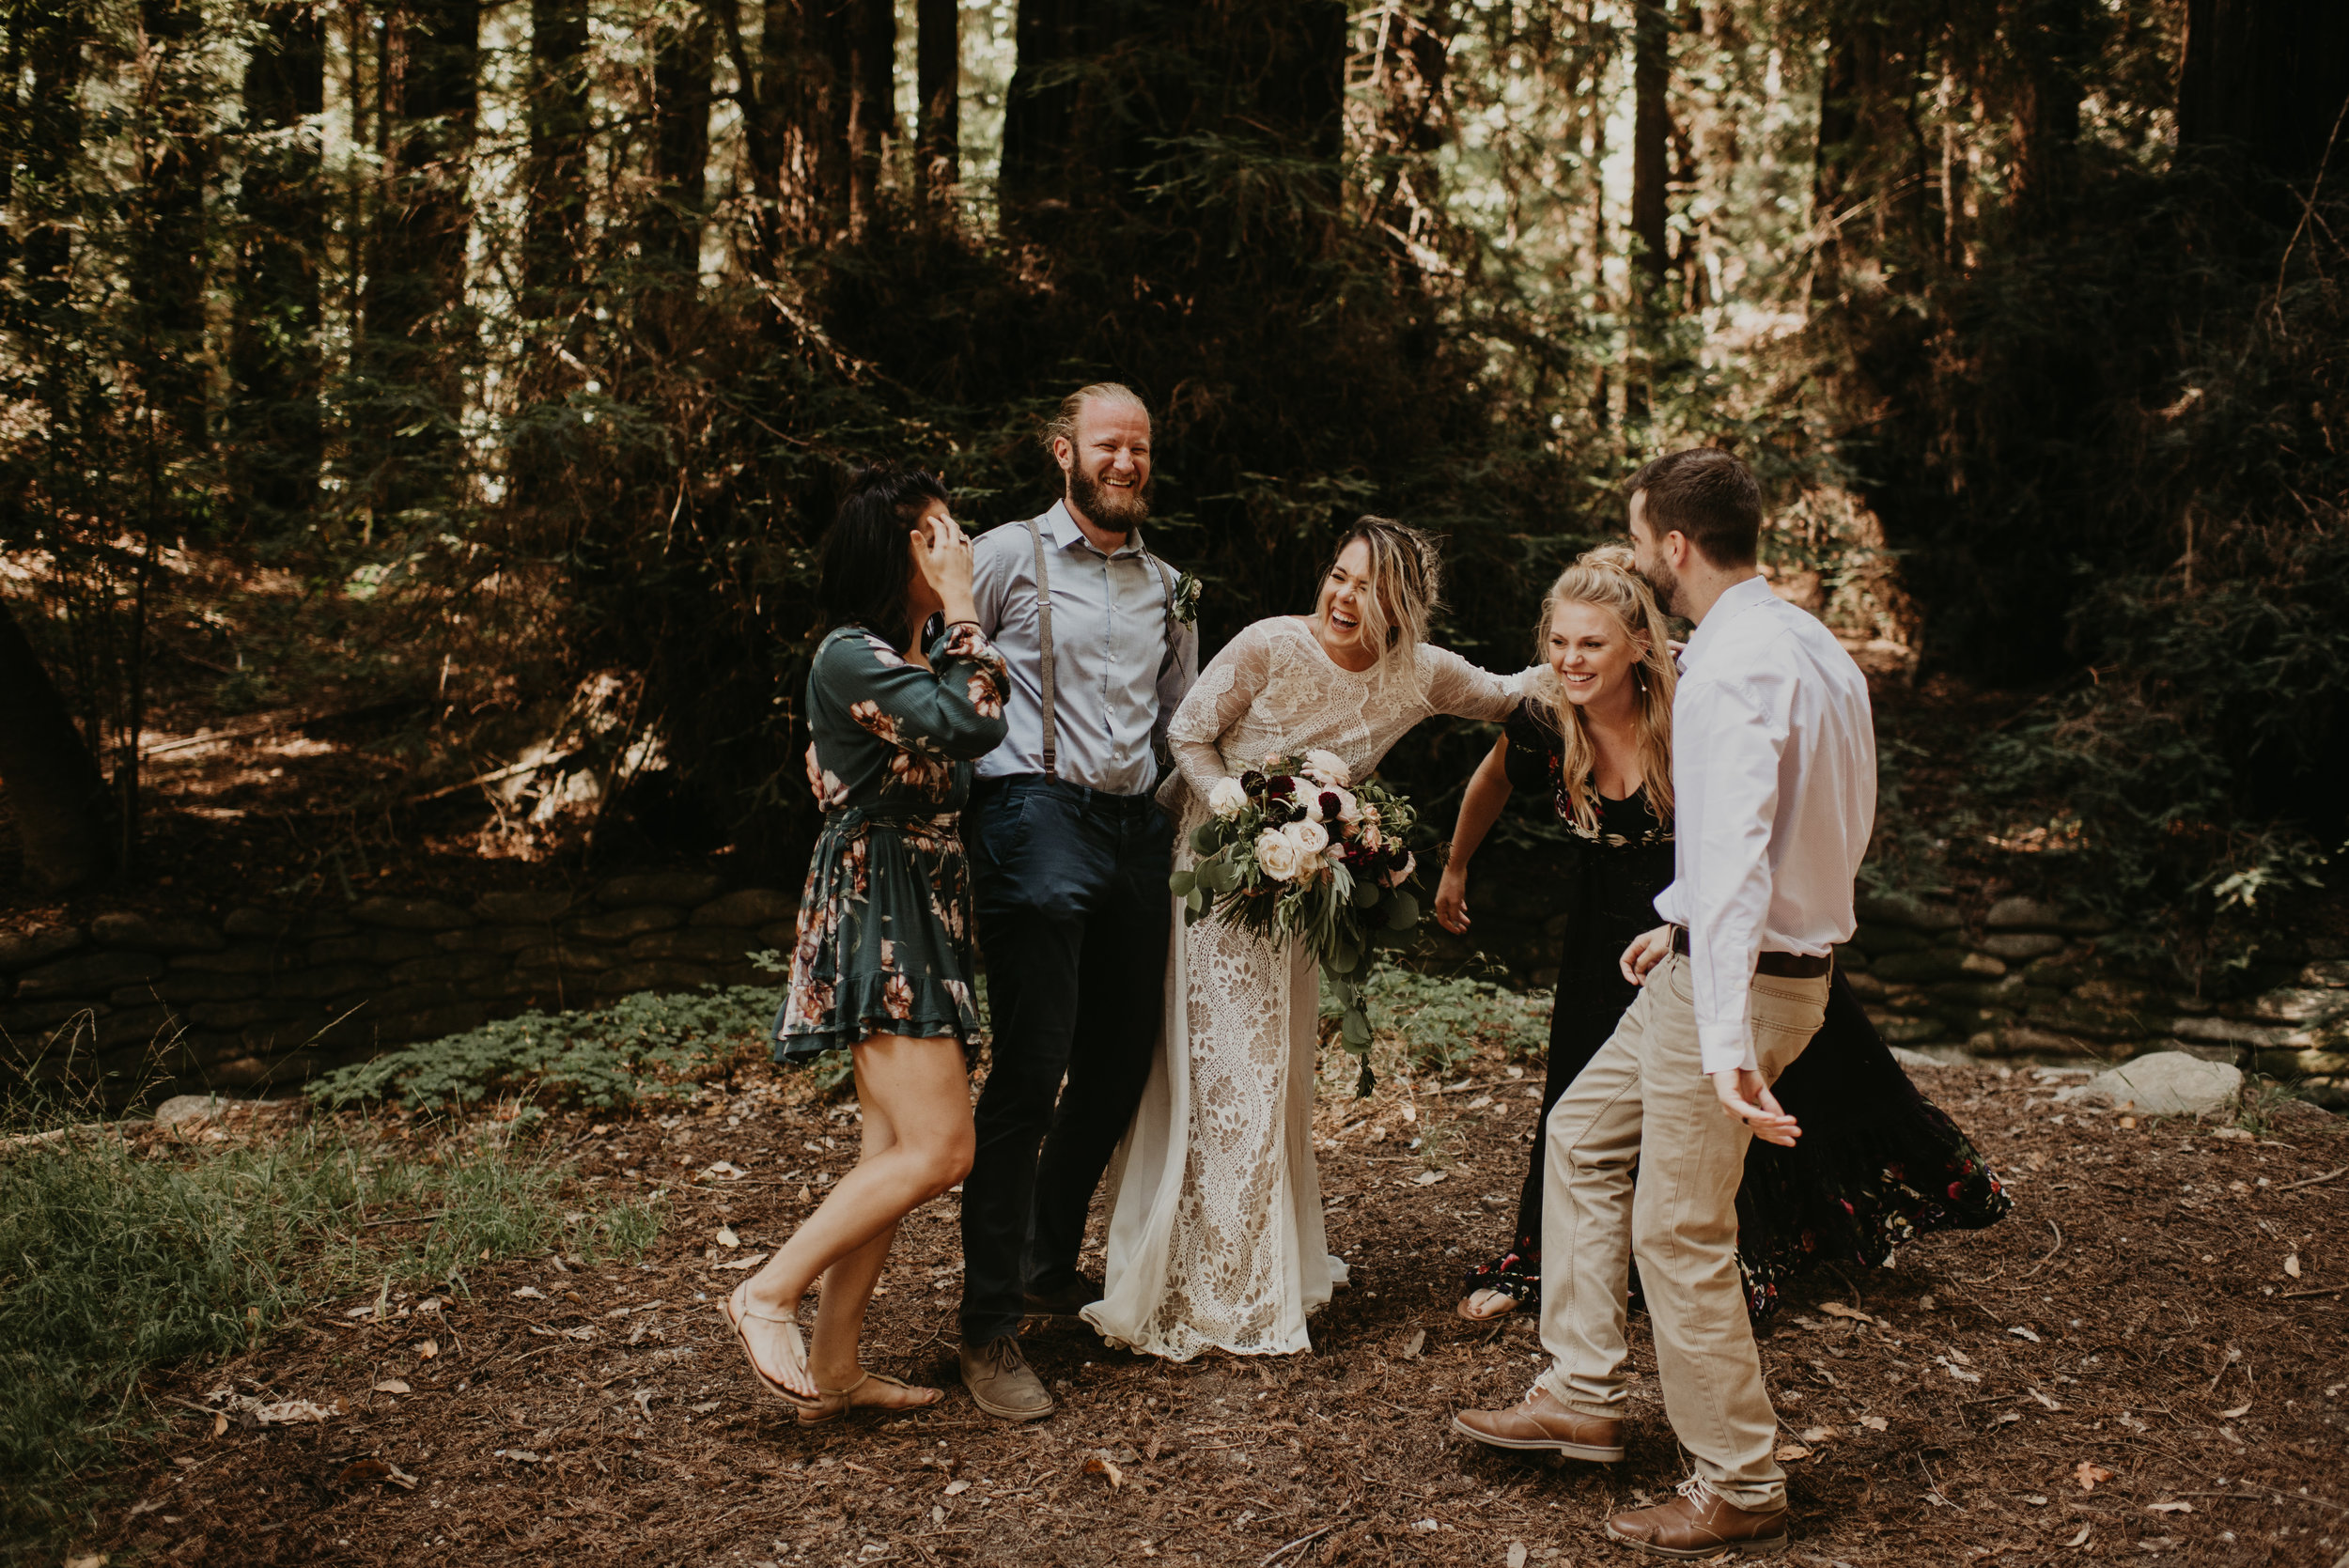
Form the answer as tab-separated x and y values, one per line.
1439	1021
647	1046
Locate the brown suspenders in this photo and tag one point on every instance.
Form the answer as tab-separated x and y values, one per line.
1044	632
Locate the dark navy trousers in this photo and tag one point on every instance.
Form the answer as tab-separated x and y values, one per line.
1073	922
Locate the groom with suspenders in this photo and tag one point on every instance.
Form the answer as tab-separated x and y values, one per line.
1070	856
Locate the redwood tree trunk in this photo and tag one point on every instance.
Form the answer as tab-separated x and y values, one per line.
415	293
53	786
938	82
2268	76
273	357
554	221
1651	137
672	230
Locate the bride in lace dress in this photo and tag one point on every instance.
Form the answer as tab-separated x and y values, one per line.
1215	1236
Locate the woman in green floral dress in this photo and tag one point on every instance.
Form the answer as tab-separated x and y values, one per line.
885	959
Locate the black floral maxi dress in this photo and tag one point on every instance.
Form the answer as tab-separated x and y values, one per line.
1878	1164
886	930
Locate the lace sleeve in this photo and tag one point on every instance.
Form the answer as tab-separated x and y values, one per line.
1225	689
1458	688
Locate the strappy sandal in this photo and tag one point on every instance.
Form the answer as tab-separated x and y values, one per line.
1510	1302
837	1403
734	1326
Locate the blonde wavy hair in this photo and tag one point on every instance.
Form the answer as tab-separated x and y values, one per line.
1605	578
1405	587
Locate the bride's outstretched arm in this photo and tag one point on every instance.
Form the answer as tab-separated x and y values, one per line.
1230	682
1460	689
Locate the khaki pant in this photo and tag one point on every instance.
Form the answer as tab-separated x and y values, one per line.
1644	1097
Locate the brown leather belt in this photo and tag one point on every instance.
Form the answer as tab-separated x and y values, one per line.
1785	966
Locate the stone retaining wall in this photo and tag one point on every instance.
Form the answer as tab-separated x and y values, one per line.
267	997
2030	984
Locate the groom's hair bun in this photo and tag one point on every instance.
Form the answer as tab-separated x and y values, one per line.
1063	425
1709	497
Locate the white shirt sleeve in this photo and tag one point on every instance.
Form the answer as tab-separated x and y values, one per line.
1726	782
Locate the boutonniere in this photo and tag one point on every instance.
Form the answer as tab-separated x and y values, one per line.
1187	588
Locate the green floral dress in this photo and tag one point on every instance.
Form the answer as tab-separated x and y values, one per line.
885	925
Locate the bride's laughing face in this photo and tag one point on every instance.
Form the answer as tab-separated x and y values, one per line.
1592	654
1344	595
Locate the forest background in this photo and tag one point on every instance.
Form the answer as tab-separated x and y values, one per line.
466	383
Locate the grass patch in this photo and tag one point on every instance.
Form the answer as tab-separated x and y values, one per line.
120	1254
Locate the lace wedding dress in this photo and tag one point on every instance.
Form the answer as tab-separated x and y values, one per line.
1214	1234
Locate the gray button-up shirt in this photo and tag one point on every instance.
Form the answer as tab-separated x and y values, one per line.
1116	682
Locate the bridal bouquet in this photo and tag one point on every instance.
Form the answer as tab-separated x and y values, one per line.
1297	851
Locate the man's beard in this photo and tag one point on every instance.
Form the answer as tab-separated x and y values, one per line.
1107	506
1662	581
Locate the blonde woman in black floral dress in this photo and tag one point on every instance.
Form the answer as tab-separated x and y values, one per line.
1878	1163
884	959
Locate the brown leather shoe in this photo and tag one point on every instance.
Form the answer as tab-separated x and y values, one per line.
1001	1382
1542	1423
1699	1524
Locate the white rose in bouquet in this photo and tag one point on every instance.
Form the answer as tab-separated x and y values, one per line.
1310	837
1227	799
1277	855
1371	836
1349	809
1326	767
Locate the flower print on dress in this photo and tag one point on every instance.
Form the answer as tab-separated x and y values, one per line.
985	700
897	996
890	658
869	714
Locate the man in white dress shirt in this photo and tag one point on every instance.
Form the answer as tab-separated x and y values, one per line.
1774	780
1069	857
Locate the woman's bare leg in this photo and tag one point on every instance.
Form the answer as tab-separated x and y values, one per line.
916	1099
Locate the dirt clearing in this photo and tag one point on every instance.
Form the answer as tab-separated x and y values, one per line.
2146	1359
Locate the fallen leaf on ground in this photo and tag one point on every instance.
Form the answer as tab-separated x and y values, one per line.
149	1506
1819	1433
2022	1333
2081	1539
724	1169
1516	1554
530	1293
391	1386
1874	1424
1836	1309
364	1469
1099	1464
428	1348
520	1456
2088	1474
726	1236
957	1488
1960	1357
2230	1415
1789	1452
2168	1508
1427	1178
2044	1400
1412	1347
2291	1264
751	1261
287	1412
220	1422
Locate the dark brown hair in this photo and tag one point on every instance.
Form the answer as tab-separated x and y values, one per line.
1707	496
